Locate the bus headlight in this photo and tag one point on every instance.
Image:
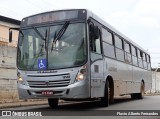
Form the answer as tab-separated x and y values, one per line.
20	80
80	77
81	74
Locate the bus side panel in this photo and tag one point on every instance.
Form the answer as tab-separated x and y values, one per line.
110	69
124	75
137	78
121	74
140	74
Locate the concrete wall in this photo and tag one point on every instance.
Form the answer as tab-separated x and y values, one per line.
8	82
8	91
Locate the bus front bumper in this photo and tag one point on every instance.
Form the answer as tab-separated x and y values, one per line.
77	90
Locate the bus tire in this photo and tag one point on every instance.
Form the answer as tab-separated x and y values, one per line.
53	102
105	99
134	95
142	90
139	95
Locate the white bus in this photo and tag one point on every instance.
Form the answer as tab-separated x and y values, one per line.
74	55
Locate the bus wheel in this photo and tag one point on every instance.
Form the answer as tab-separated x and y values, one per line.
134	96
53	102
139	95
105	99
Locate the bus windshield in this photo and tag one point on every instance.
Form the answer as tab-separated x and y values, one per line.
37	44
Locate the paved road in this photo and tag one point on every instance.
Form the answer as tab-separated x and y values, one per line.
121	105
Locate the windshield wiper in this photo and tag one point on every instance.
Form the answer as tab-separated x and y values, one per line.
58	35
41	36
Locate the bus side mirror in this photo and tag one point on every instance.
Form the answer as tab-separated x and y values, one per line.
10	36
96	32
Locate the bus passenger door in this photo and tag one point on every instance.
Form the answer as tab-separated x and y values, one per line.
97	60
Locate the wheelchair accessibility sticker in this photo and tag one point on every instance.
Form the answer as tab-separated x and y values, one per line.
42	63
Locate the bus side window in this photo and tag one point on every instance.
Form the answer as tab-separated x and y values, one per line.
91	37
119	48
107	36
134	56
127	49
144	61
108	44
148	63
140	59
98	44
95	44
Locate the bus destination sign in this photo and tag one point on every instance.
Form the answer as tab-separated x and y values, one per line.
52	16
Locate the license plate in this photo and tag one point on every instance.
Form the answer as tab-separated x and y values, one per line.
47	92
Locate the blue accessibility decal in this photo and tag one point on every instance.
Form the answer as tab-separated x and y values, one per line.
42	63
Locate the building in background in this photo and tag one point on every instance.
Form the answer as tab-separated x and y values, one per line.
8	86
5	24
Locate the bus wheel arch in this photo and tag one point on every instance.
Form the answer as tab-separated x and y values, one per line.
143	83
142	91
108	92
111	88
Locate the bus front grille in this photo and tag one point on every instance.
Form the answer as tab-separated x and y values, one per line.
48	84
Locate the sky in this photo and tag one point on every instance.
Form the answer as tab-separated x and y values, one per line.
139	20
